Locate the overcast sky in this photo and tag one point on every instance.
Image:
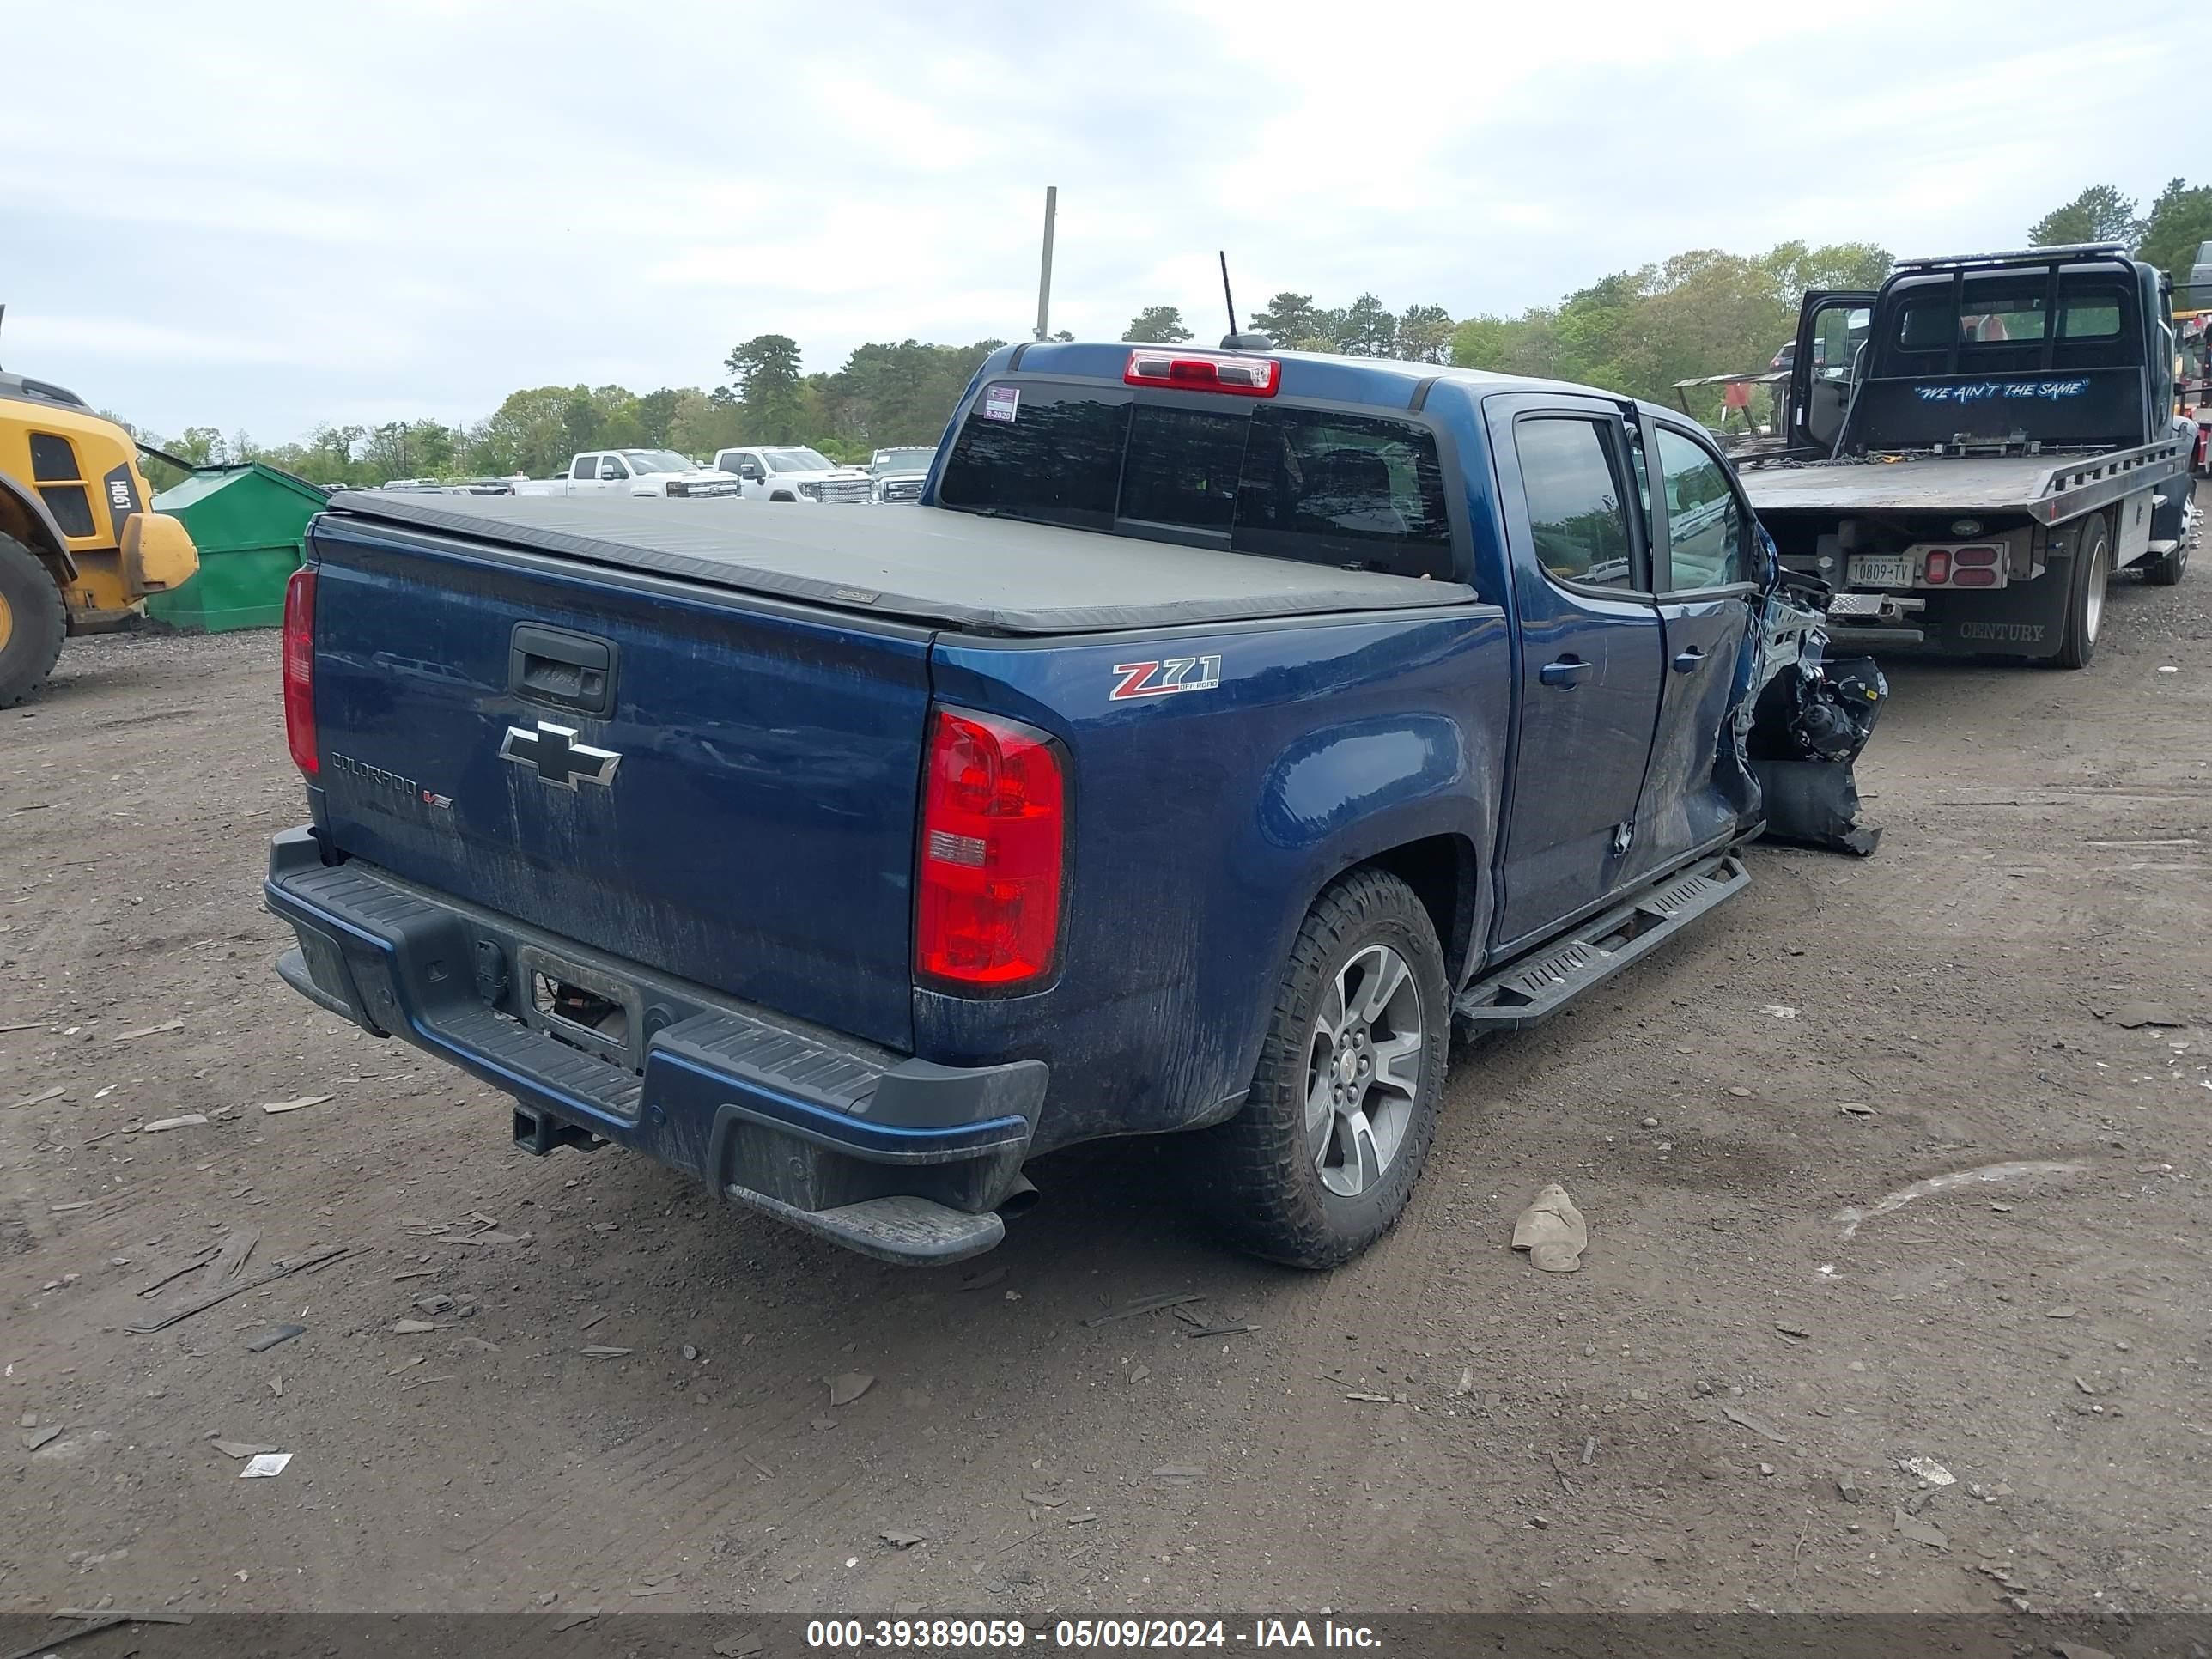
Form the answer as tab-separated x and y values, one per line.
266	217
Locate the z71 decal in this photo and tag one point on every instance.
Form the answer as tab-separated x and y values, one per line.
1164	678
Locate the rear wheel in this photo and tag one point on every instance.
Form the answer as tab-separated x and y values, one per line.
2165	570
31	623
2085	598
1344	1104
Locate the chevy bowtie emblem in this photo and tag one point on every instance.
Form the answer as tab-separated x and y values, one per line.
558	756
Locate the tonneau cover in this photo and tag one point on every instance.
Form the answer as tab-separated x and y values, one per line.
960	570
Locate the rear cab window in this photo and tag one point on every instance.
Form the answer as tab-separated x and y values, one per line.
1988	313
1577	517
1320	486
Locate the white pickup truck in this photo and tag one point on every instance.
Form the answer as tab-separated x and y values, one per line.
793	472
899	474
631	472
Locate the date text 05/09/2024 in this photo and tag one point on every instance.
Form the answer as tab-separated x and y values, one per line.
1085	1634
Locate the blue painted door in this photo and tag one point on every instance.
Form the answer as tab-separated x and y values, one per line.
1705	567
1591	656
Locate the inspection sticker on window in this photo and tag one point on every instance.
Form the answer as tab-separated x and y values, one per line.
1002	403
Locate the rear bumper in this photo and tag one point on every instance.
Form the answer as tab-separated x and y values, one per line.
886	1154
2023	619
1873	639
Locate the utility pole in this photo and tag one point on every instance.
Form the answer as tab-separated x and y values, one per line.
1044	274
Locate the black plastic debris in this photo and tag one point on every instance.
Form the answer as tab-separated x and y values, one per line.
1811	722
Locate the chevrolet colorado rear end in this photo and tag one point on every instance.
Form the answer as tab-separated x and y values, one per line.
1220	730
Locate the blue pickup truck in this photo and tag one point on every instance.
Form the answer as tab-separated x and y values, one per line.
1221	731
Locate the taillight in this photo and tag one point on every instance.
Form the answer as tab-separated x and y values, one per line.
1975	566
994	842
1246	377
1935	565
299	670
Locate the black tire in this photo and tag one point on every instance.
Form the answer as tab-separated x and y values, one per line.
1258	1174
2084	593
2165	570
35	623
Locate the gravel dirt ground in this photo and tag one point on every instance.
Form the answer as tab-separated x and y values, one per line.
1711	1416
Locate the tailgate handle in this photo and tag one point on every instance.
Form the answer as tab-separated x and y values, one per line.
567	670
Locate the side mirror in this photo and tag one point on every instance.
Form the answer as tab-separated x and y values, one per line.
750	471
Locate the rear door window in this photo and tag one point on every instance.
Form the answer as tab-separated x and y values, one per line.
585	466
1324	488
1575	514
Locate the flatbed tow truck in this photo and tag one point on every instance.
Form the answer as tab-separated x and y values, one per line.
1971	449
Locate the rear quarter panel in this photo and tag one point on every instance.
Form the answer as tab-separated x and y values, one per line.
1204	824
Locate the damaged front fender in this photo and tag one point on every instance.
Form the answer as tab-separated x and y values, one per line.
1801	728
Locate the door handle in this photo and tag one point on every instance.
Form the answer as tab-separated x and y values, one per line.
1566	673
1689	661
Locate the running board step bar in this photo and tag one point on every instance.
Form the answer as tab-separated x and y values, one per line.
1532	987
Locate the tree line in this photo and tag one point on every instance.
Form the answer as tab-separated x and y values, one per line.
2178	223
1698	314
1637	331
885	393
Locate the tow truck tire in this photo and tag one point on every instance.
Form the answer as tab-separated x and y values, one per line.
2085	597
31	623
2165	570
1320	1161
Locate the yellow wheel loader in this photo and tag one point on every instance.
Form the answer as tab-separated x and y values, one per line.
80	548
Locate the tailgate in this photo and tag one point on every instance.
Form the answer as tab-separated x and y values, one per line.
753	832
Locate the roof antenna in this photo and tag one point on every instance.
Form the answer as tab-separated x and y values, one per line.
1233	341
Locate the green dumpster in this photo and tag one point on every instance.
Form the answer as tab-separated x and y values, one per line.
249	523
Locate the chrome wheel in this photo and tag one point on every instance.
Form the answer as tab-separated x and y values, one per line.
1363	1070
2101	572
